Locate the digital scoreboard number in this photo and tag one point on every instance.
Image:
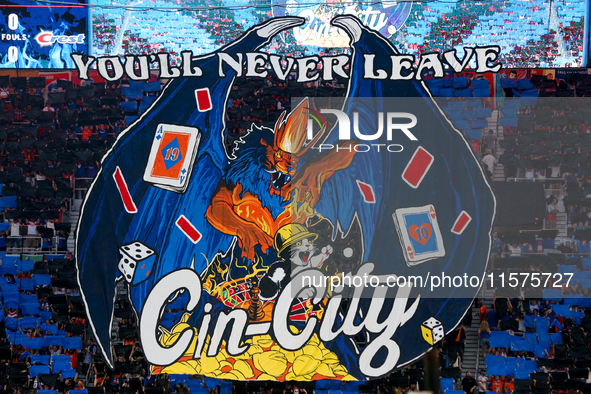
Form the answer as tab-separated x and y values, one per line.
34	35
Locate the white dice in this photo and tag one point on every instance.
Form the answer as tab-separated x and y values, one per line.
136	262
432	330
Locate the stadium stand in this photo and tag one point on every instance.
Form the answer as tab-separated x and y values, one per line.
52	141
53	145
63	138
530	33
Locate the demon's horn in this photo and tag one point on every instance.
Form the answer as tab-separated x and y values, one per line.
290	131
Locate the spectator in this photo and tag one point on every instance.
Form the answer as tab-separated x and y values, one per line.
182	389
80	171
32	241
497	384
579	226
491	140
15	227
492	318
565	248
521	322
86	133
88	356
497	247
552	212
514	249
458	337
62	241
45	243
482	311
489	161
102	132
56	350
10	279
533	307
70	384
468	383
73	357
483	379
484	334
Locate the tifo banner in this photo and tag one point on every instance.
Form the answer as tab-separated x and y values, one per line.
275	254
384	17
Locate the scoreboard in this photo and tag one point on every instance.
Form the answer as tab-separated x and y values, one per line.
41	35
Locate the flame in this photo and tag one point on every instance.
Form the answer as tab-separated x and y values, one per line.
212	272
308	310
257	267
216	287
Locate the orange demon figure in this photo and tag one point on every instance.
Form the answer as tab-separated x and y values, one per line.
261	187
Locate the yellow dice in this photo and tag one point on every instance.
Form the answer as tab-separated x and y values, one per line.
432	330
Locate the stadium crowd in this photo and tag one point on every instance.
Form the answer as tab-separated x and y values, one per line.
52	140
550	34
546	139
54	136
533	335
535	339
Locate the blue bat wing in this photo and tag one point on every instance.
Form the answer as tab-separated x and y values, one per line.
454	183
104	222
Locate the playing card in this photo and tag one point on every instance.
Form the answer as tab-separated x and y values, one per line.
203	97
188	229
419	234
367	192
172	156
417	167
461	223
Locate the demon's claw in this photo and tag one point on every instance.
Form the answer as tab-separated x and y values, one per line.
250	237
260	35
274	26
351	25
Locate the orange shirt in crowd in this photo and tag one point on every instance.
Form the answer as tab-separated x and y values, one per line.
497	385
509	386
74	359
29	154
482	313
86	133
